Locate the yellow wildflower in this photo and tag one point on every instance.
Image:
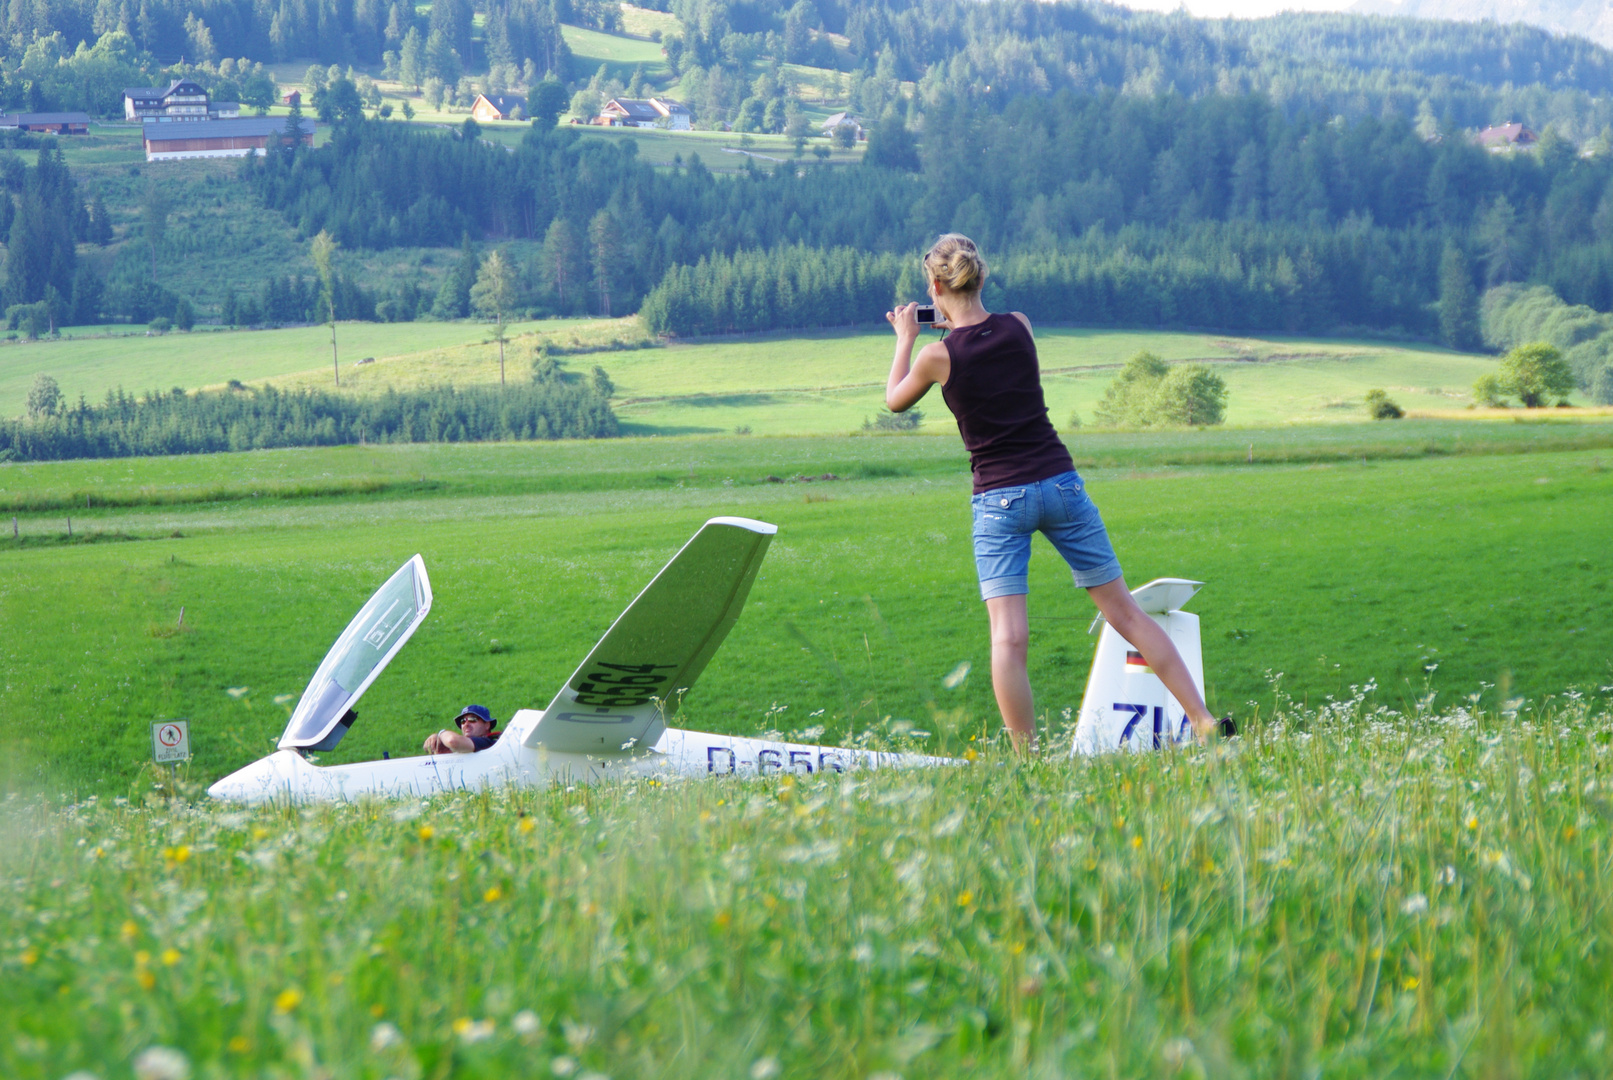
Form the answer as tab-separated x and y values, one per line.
287	1000
495	893
426	832
170	957
178	854
527	825
965	898
239	1045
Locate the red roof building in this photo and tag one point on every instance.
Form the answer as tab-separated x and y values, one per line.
1506	137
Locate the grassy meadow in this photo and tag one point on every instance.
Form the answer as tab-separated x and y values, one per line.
833	381
93	363
1401	866
1438	570
801	382
1355	893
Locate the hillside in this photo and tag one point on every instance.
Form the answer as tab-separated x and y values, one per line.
1591	19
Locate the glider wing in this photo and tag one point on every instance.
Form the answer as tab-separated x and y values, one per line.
616	699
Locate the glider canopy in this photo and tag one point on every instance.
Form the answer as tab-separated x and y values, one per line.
370	641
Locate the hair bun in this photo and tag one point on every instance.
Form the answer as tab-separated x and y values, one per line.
954	262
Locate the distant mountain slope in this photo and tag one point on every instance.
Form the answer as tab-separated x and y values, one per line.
1587	18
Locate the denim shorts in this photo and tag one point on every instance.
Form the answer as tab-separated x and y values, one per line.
1058	507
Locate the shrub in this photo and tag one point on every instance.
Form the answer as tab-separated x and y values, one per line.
1536	372
1128	400
44	397
160	325
1379	407
1487	391
894	421
1150	393
1191	395
1602	388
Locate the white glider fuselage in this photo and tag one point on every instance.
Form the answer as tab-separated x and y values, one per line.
288	776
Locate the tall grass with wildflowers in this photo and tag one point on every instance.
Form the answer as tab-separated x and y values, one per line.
1343	891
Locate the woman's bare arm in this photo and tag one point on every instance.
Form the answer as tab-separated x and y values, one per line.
910	381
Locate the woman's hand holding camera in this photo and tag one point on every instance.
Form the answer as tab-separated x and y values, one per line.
904	320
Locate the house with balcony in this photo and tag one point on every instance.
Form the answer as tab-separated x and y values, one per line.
182	99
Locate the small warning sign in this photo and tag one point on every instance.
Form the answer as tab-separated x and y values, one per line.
170	741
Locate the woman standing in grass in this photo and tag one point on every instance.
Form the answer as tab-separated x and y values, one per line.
1024	480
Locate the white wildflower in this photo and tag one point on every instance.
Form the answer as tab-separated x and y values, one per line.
384	1036
1176	1051
161	1063
949	824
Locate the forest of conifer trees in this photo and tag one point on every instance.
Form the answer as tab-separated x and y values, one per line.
1224	211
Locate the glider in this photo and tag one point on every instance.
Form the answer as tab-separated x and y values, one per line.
607	720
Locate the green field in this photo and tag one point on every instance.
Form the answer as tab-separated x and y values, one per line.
89	363
1333	574
833	382
797	383
620	54
1400	867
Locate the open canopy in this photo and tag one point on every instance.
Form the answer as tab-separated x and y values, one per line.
370	641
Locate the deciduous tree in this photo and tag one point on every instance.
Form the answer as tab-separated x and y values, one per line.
1535	373
323	249
494	294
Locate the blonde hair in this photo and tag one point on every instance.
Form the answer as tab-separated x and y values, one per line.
955	262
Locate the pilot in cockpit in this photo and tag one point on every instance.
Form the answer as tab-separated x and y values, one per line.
475	733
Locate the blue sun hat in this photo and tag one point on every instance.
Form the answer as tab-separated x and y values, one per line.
474	712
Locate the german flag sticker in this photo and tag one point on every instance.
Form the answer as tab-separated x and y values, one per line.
1136	665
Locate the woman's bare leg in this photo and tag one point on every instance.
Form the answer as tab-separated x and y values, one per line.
1149	638
1010	643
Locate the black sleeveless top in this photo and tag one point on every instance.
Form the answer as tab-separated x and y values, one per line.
995	391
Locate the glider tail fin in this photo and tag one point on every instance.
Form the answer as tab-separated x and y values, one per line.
657	648
1126	706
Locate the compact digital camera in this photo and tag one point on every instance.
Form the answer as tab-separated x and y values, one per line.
926	314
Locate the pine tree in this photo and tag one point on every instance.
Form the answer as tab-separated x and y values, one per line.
604	251
1458	302
323	249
